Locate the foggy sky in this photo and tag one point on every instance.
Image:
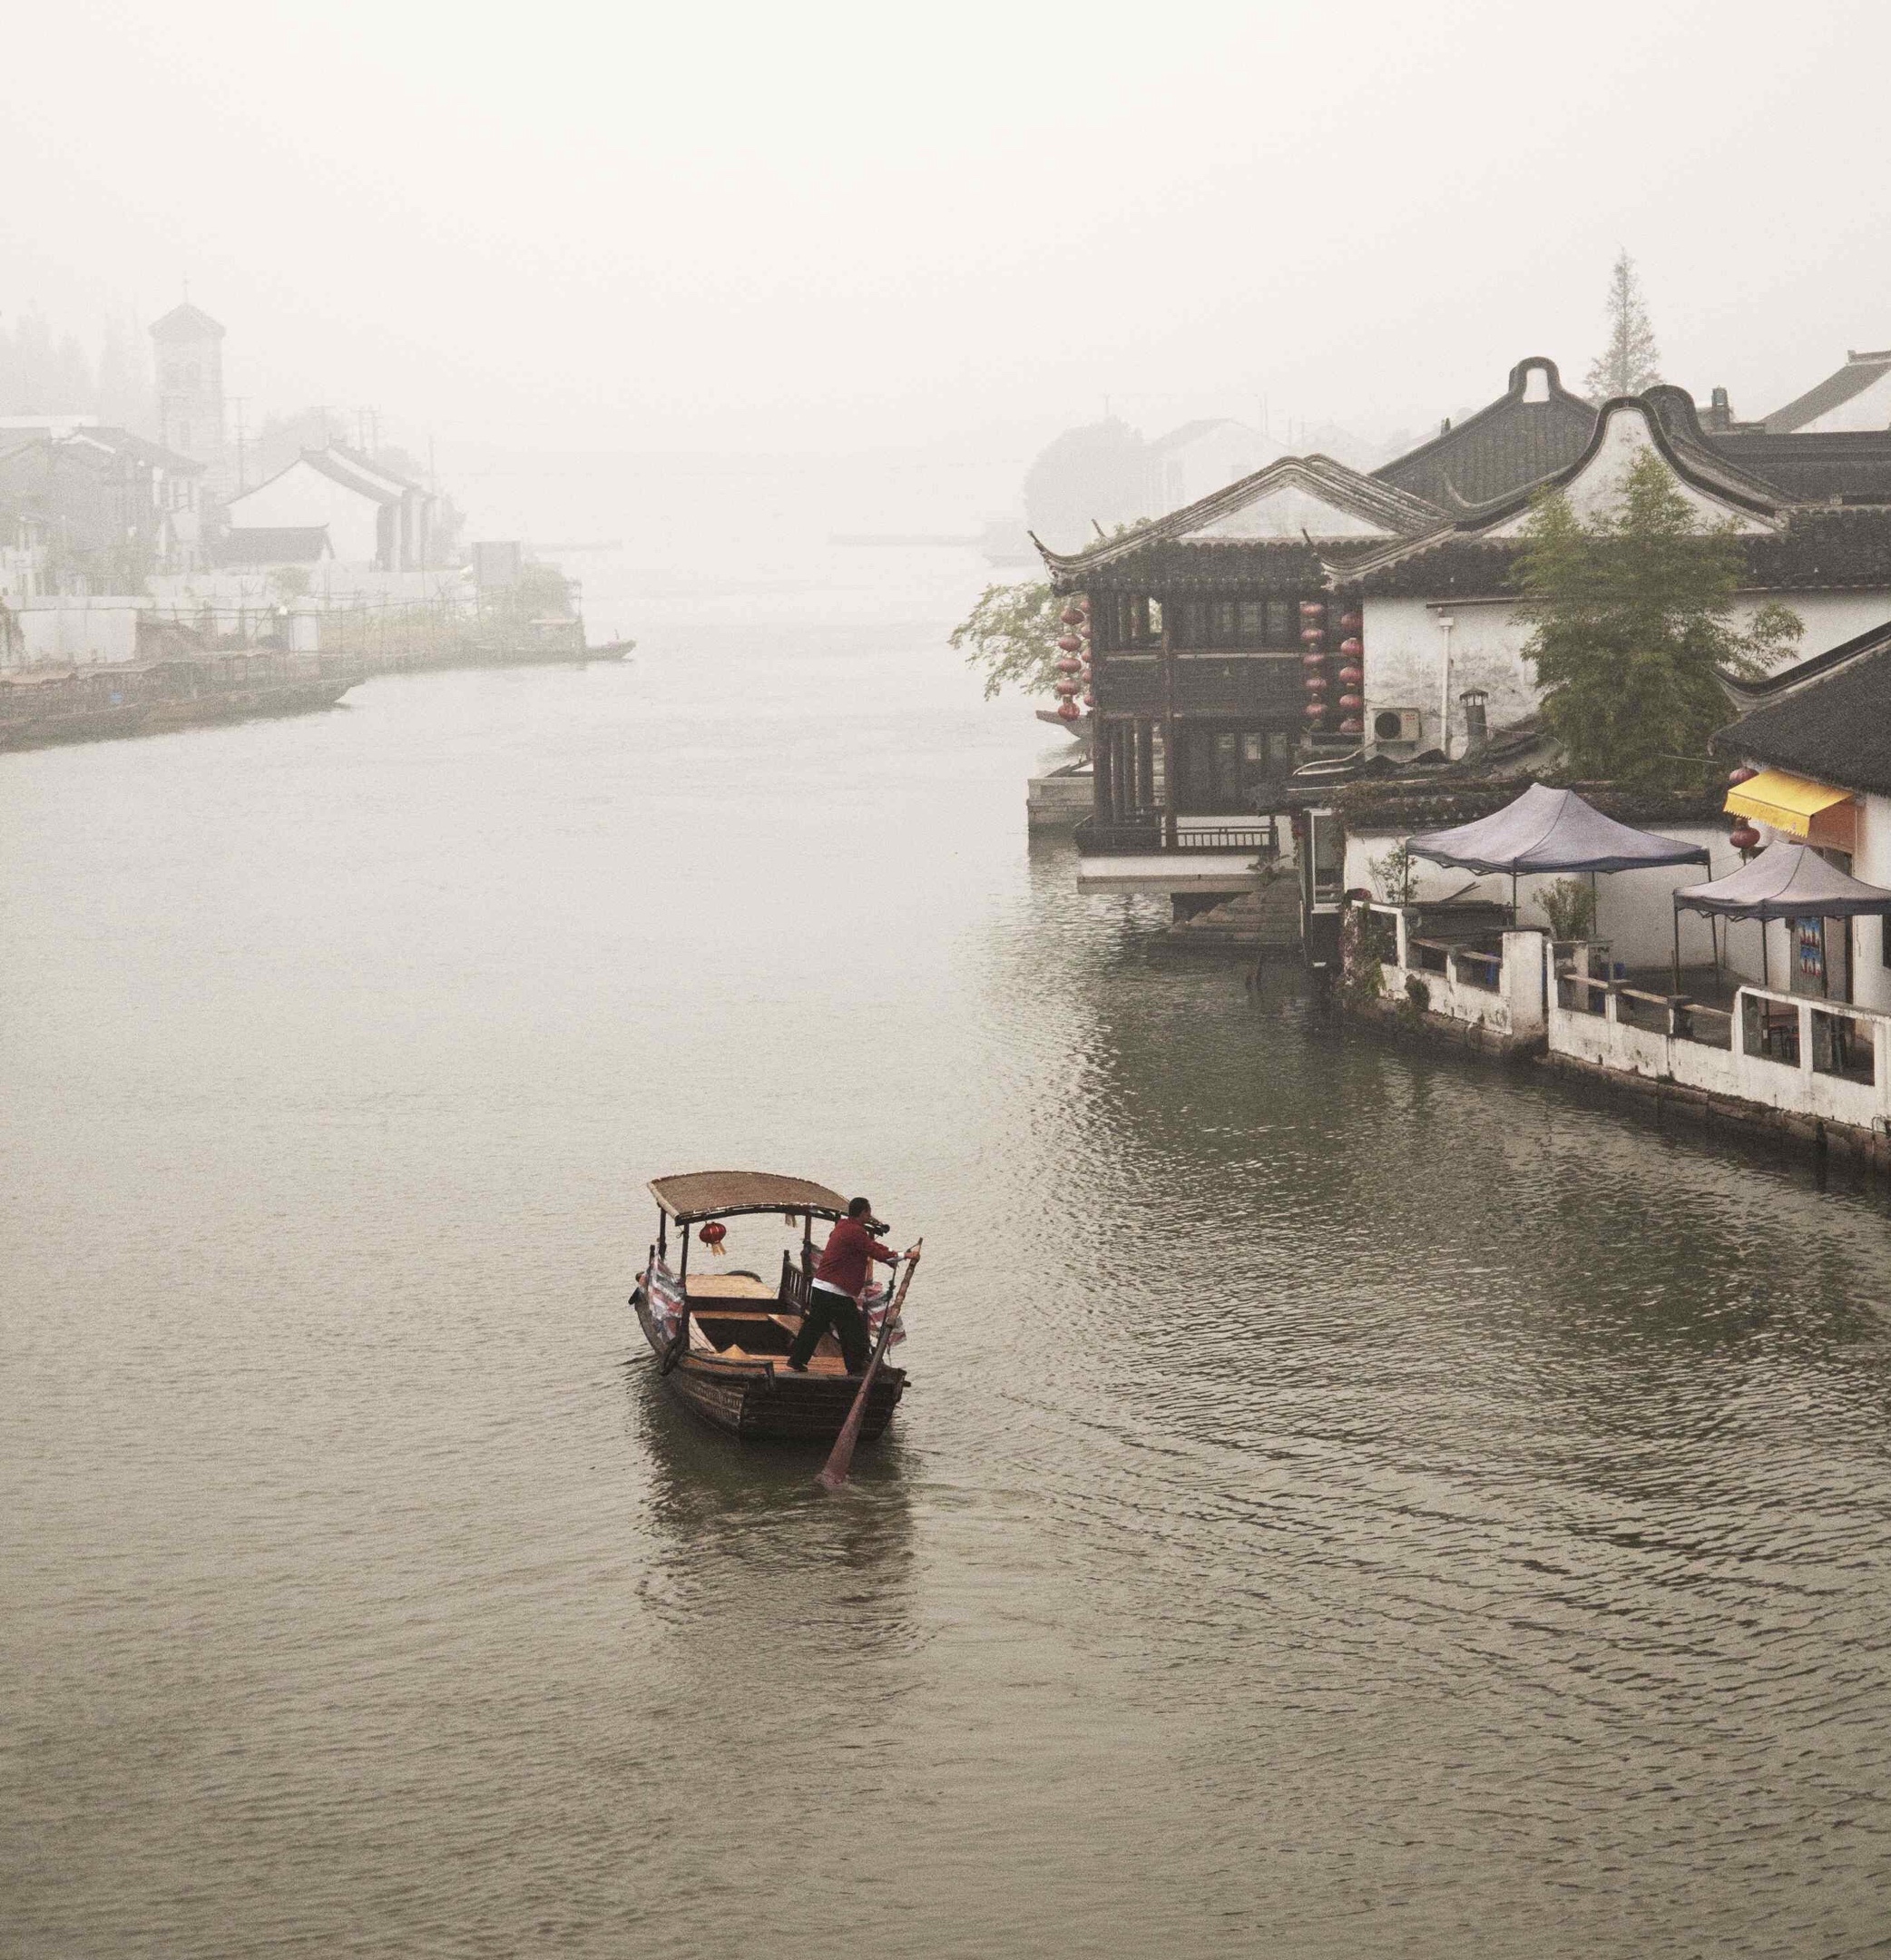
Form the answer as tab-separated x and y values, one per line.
773	227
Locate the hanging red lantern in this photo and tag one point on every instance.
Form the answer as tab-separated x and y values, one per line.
1350	677
1312	636
713	1235
1069	664
1068	710
1070	643
1738	776
1090	700
1348	622
1314	711
1071	617
1312	608
1352	649
1743	837
1351	704
1316	683
1352	725
1314	662
1066	687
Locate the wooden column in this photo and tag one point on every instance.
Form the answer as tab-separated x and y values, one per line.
1103	760
1170	771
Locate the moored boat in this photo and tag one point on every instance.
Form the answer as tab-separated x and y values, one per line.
722	1338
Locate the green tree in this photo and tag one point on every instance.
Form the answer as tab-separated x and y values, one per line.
1631	613
1631	361
1011	635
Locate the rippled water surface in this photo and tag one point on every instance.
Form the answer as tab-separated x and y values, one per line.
1346	1502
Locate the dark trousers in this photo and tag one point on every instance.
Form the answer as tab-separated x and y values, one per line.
834	1310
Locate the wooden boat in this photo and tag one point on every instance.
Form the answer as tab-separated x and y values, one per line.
722	1338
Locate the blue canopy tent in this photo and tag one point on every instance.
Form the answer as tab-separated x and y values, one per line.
1546	830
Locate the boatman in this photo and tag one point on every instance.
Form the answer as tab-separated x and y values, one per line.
839	1279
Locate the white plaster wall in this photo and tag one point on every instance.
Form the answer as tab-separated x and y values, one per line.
302	495
1869	408
80	632
1404	658
1829	619
1405	649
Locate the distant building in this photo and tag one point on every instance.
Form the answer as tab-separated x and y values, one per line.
1199	457
1858	397
188	347
376	520
87	510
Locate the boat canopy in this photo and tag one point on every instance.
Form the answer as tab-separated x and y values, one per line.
1786	881
1549	829
705	1195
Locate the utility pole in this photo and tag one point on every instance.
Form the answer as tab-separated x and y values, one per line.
240	402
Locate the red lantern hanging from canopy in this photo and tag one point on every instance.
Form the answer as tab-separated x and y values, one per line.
1069	664
1312	636
1066	687
1071	615
1348	622
1352	649
1351	704
1069	643
1352	725
1738	776
1316	683
1350	677
1068	710
1314	662
713	1235
1090	700
1312	608
1314	711
1743	837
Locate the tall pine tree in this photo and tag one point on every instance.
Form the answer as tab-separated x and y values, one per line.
1631	361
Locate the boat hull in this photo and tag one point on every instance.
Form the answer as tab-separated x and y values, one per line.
761	1402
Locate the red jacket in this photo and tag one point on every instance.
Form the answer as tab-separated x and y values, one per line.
843	1260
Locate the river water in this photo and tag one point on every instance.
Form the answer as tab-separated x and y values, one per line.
1345	1502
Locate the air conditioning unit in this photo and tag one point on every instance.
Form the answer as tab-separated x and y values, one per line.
1396	728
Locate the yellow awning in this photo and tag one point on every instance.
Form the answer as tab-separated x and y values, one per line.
1789	803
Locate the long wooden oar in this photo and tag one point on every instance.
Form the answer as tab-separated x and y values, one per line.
840	1459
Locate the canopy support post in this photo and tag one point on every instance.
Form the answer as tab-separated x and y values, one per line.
1766	970
1677	947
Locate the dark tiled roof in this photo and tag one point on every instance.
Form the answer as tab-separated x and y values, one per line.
1837	728
270	544
337	469
1860	370
1226	565
141	451
1851	462
1391	510
1846	550
186	322
360	460
1453	567
1503	448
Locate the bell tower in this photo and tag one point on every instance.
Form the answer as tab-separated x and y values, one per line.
187	345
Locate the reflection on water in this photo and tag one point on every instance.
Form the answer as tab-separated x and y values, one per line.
1345	1501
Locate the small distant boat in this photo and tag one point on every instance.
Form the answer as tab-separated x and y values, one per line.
610	650
722	1338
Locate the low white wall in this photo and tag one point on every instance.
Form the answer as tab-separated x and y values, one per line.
1510	1002
1609	1041
79	632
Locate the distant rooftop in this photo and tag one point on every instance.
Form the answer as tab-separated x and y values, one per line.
186	322
1860	370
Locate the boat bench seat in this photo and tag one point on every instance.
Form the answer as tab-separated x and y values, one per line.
732	1286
